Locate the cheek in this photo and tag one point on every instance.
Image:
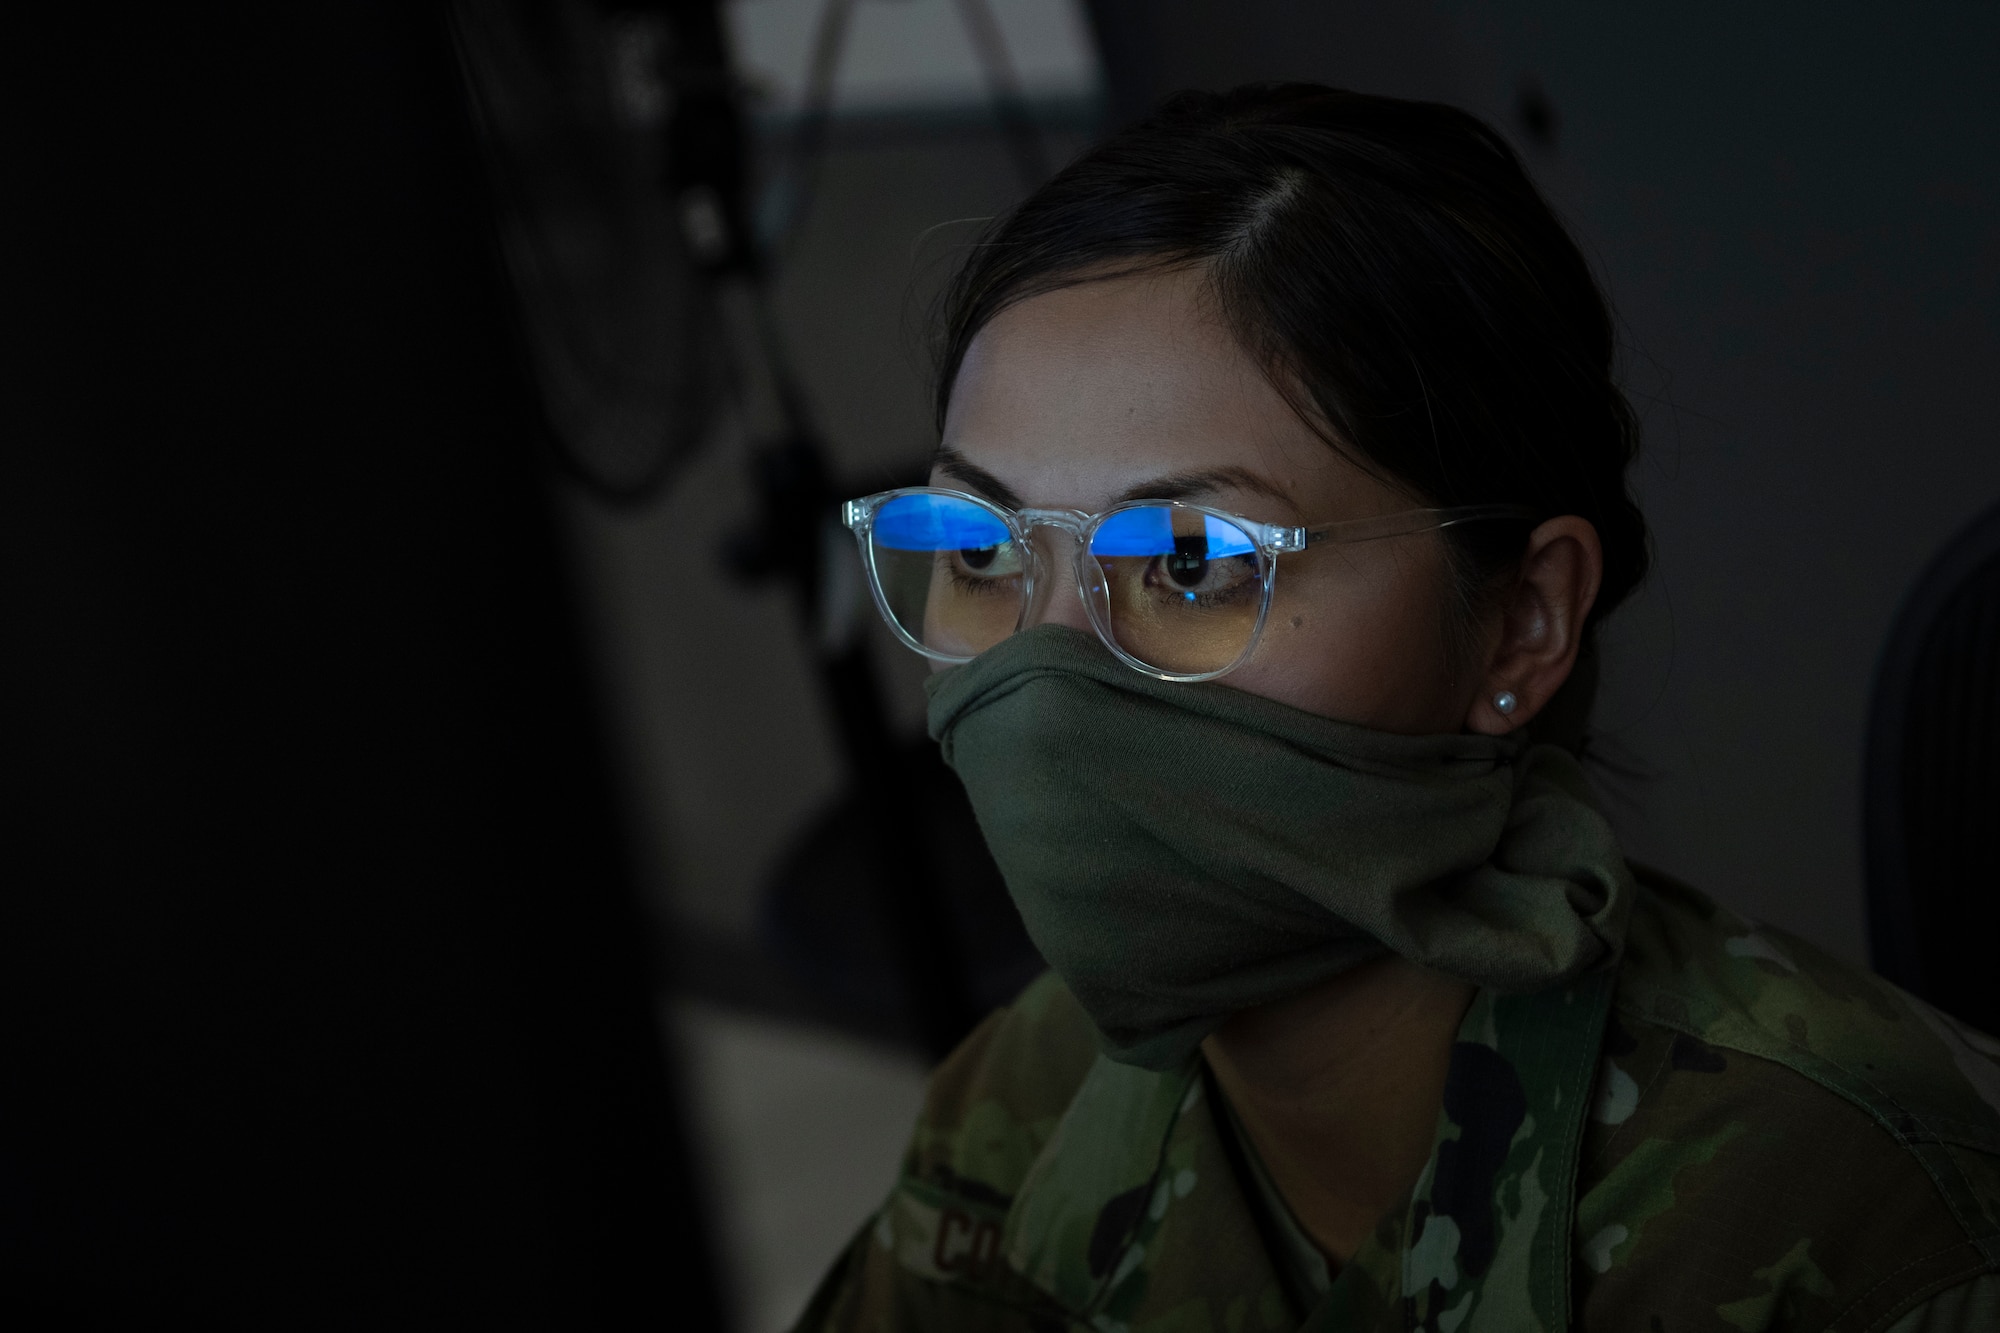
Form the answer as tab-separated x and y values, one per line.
1361	641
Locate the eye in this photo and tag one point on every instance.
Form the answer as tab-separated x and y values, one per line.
1187	567
1189	574
981	569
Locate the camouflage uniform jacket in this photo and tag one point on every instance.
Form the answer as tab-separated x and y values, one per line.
1729	1131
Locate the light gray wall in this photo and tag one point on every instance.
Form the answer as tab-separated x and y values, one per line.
1796	209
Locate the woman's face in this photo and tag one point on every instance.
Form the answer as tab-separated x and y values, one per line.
1133	387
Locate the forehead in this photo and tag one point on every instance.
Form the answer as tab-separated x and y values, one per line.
1075	395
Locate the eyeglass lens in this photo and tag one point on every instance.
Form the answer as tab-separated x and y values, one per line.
1177	588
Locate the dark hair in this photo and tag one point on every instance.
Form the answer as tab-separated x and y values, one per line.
1391	264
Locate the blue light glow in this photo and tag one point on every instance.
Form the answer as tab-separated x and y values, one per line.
937	523
1149	531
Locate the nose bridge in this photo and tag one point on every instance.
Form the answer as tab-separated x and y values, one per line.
1067	520
1058	600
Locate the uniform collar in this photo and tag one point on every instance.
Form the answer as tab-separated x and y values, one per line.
1108	1224
1079	1212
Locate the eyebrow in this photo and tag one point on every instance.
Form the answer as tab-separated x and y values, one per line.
1203	481
955	464
1171	486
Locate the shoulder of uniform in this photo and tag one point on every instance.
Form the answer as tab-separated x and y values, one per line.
992	1105
1701	970
1719	1188
1778	1138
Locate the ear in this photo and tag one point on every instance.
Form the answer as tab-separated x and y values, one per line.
1540	628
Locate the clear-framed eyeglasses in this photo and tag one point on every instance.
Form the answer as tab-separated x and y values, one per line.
1179	591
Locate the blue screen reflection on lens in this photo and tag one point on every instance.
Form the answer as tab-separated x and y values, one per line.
1149	531
937	523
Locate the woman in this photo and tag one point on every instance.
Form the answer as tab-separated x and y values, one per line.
1281	487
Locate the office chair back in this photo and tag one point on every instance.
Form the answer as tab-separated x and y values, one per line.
1932	800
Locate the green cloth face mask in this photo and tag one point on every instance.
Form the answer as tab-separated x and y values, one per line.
1182	852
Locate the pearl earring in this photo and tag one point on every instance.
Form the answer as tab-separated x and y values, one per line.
1504	702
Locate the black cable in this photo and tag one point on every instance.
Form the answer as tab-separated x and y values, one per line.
795	186
1003	85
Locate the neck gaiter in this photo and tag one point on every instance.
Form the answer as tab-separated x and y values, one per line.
1182	852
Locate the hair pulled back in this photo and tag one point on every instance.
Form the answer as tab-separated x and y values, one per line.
1392	266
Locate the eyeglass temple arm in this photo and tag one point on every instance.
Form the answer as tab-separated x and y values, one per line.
1395	525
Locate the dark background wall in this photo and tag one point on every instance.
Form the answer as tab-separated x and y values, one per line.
326	994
